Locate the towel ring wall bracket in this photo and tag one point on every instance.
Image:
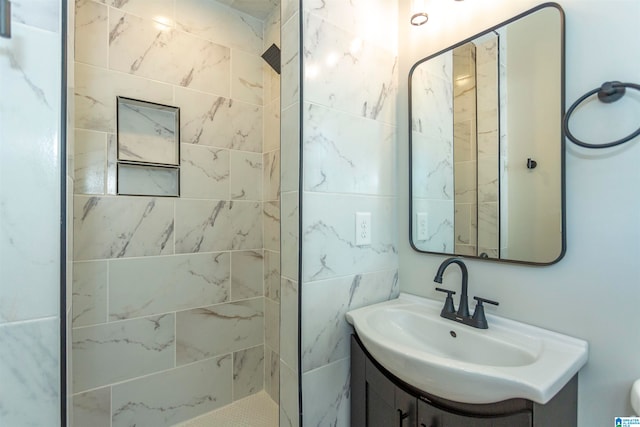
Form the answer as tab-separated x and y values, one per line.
609	92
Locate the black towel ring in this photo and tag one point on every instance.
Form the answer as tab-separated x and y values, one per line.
609	92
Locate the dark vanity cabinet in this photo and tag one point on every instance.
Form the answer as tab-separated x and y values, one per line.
378	399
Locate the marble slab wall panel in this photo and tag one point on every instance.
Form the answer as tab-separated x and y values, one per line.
117	351
41	14
362	17
290	61
289	323
89	162
290	151
208	226
248	372
167	398
219	329
329	236
92	408
89	293
218	121
357	79
289	403
247	276
30	169
116	227
349	154
92	32
204	172
325	331
137	46
220	24
246	176
96	90
247	77
272	374
326	394
30	373
155	285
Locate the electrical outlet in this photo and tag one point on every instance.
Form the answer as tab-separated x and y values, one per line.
363	228
422	228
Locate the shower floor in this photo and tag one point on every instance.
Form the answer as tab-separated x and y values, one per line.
257	410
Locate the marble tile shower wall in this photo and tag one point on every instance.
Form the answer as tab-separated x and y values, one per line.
349	165
169	309
30	169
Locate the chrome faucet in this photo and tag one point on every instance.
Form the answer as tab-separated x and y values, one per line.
478	320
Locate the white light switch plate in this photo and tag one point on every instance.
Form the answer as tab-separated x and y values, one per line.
363	228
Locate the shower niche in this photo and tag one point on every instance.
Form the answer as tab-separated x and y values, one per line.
148	148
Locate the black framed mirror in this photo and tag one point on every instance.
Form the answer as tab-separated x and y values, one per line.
487	145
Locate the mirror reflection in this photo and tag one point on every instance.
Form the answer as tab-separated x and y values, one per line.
487	144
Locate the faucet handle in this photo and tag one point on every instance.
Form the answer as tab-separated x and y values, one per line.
479	320
488	301
448	303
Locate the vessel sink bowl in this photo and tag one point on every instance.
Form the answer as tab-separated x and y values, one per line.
457	362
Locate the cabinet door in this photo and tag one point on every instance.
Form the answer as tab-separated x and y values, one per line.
429	416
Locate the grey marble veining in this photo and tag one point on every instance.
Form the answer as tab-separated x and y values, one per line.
91	33
219	329
137	46
116	227
118	351
271	323
361	80
290	60
440	237
246	176
272	275
272	374
326	395
247	77
43	14
89	293
246	274
289	402
167	398
155	285
204	172
248	372
350	154
271	175
290	151
289	322
325	331
89	162
205	226
92	408
329	237
272	225
135	180
29	373
29	172
218	121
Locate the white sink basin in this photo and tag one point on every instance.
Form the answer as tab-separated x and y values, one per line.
509	360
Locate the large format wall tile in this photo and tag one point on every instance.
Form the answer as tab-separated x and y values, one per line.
326	395
89	162
271	323
137	46
329	236
91	33
271	175
118	351
290	152
89	293
207	226
155	285
92	408
220	24
167	398
110	227
350	154
246	77
248	372
96	90
272	225
289	402
289	233
360	80
272	374
29	373
43	14
29	172
219	329
204	172
246	176
159	10
289	322
218	121
272	275
246	275
290	63
325	331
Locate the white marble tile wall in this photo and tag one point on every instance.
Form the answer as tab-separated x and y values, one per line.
289	213
31	165
349	98
210	257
